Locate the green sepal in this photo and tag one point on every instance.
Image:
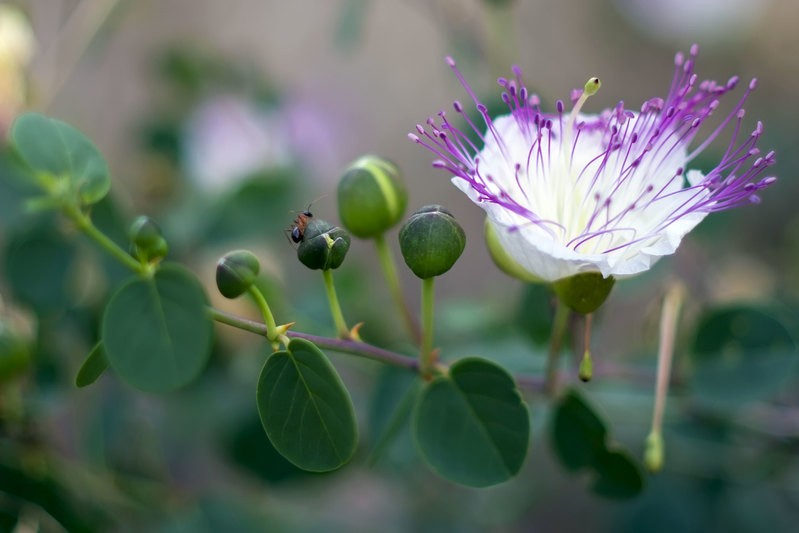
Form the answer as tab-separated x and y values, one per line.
502	258
585	292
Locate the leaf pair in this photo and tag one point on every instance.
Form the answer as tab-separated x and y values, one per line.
471	425
580	438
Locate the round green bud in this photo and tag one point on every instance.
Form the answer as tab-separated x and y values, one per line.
323	245
503	260
371	197
144	233
148	244
431	241
584	292
236	272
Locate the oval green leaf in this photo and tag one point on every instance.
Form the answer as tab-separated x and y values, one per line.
472	426
305	409
578	434
617	476
37	265
56	149
156	332
740	354
92	368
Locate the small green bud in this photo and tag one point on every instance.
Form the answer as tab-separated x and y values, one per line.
236	272
503	260
653	452
371	197
586	371
431	241
584	292
148	244
323	246
144	232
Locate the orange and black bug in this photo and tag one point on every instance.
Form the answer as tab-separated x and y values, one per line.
297	229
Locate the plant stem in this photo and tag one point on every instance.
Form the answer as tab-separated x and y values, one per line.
266	313
85	224
335	308
390	273
340	345
558	329
668	331
428	306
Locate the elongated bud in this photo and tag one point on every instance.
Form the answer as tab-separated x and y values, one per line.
236	272
586	371
323	246
371	197
503	260
653	453
431	241
585	292
147	241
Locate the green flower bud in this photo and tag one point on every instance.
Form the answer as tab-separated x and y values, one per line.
236	272
323	246
431	241
371	197
584	292
148	244
144	232
653	452
503	260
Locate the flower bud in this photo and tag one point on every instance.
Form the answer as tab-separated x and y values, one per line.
371	197
584	292
323	246
147	240
431	241
503	260
653	452
236	272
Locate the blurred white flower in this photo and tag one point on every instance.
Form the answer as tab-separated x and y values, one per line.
17	45
683	20
229	139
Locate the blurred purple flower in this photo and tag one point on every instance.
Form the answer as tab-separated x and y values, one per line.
572	193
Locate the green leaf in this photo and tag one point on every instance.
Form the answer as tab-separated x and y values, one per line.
740	354
92	368
471	426
578	434
618	476
37	265
156	332
305	409
580	438
55	149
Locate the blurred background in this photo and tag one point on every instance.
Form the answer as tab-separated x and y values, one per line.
222	120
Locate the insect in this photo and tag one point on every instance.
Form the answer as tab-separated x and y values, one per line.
297	229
